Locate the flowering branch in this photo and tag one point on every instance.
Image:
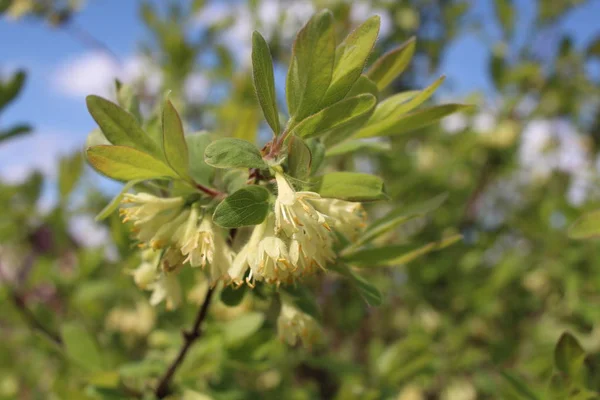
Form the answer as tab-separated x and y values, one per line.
189	337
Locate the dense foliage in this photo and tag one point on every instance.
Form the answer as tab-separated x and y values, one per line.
443	266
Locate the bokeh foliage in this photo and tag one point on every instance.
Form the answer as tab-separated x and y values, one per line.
482	319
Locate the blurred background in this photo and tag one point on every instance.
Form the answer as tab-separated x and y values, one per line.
517	171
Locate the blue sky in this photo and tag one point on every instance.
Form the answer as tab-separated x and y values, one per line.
53	100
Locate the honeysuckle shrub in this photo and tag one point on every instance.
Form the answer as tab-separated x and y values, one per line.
238	216
476	320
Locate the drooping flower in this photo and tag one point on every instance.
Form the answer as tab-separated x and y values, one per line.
168	289
293	324
157	221
204	246
266	255
293	210
349	218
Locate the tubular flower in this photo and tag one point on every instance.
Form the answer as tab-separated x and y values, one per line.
293	210
156	221
266	255
205	246
167	288
349	218
293	324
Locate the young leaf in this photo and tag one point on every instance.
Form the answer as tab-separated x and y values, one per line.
350	59
351	186
586	227
126	163
299	158
391	64
242	327
248	206
410	122
120	127
363	85
233	153
264	81
569	356
114	203
366	289
10	90
175	147
81	347
200	171
336	116
397	105
311	66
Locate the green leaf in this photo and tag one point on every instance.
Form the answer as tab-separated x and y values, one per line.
299	158
518	386
395	255
569	356
174	145
114	203
80	347
336	116
397	105
363	85
366	289
303	299
351	186
232	296
248	206
242	327
96	138
317	152
410	122
311	66
505	13
399	216
233	153
264	81
14	131
126	163
391	64
353	146
200	171
10	90
586	227
120	127
69	172
350	59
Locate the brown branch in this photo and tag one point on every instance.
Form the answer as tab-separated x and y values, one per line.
189	337
31	319
207	190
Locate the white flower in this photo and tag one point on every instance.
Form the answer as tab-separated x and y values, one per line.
294	211
293	324
349	218
167	289
266	255
205	247
156	221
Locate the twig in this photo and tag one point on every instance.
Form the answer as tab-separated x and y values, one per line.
189	337
207	190
89	40
31	319
21	307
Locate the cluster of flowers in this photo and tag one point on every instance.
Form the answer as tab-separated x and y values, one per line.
295	239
